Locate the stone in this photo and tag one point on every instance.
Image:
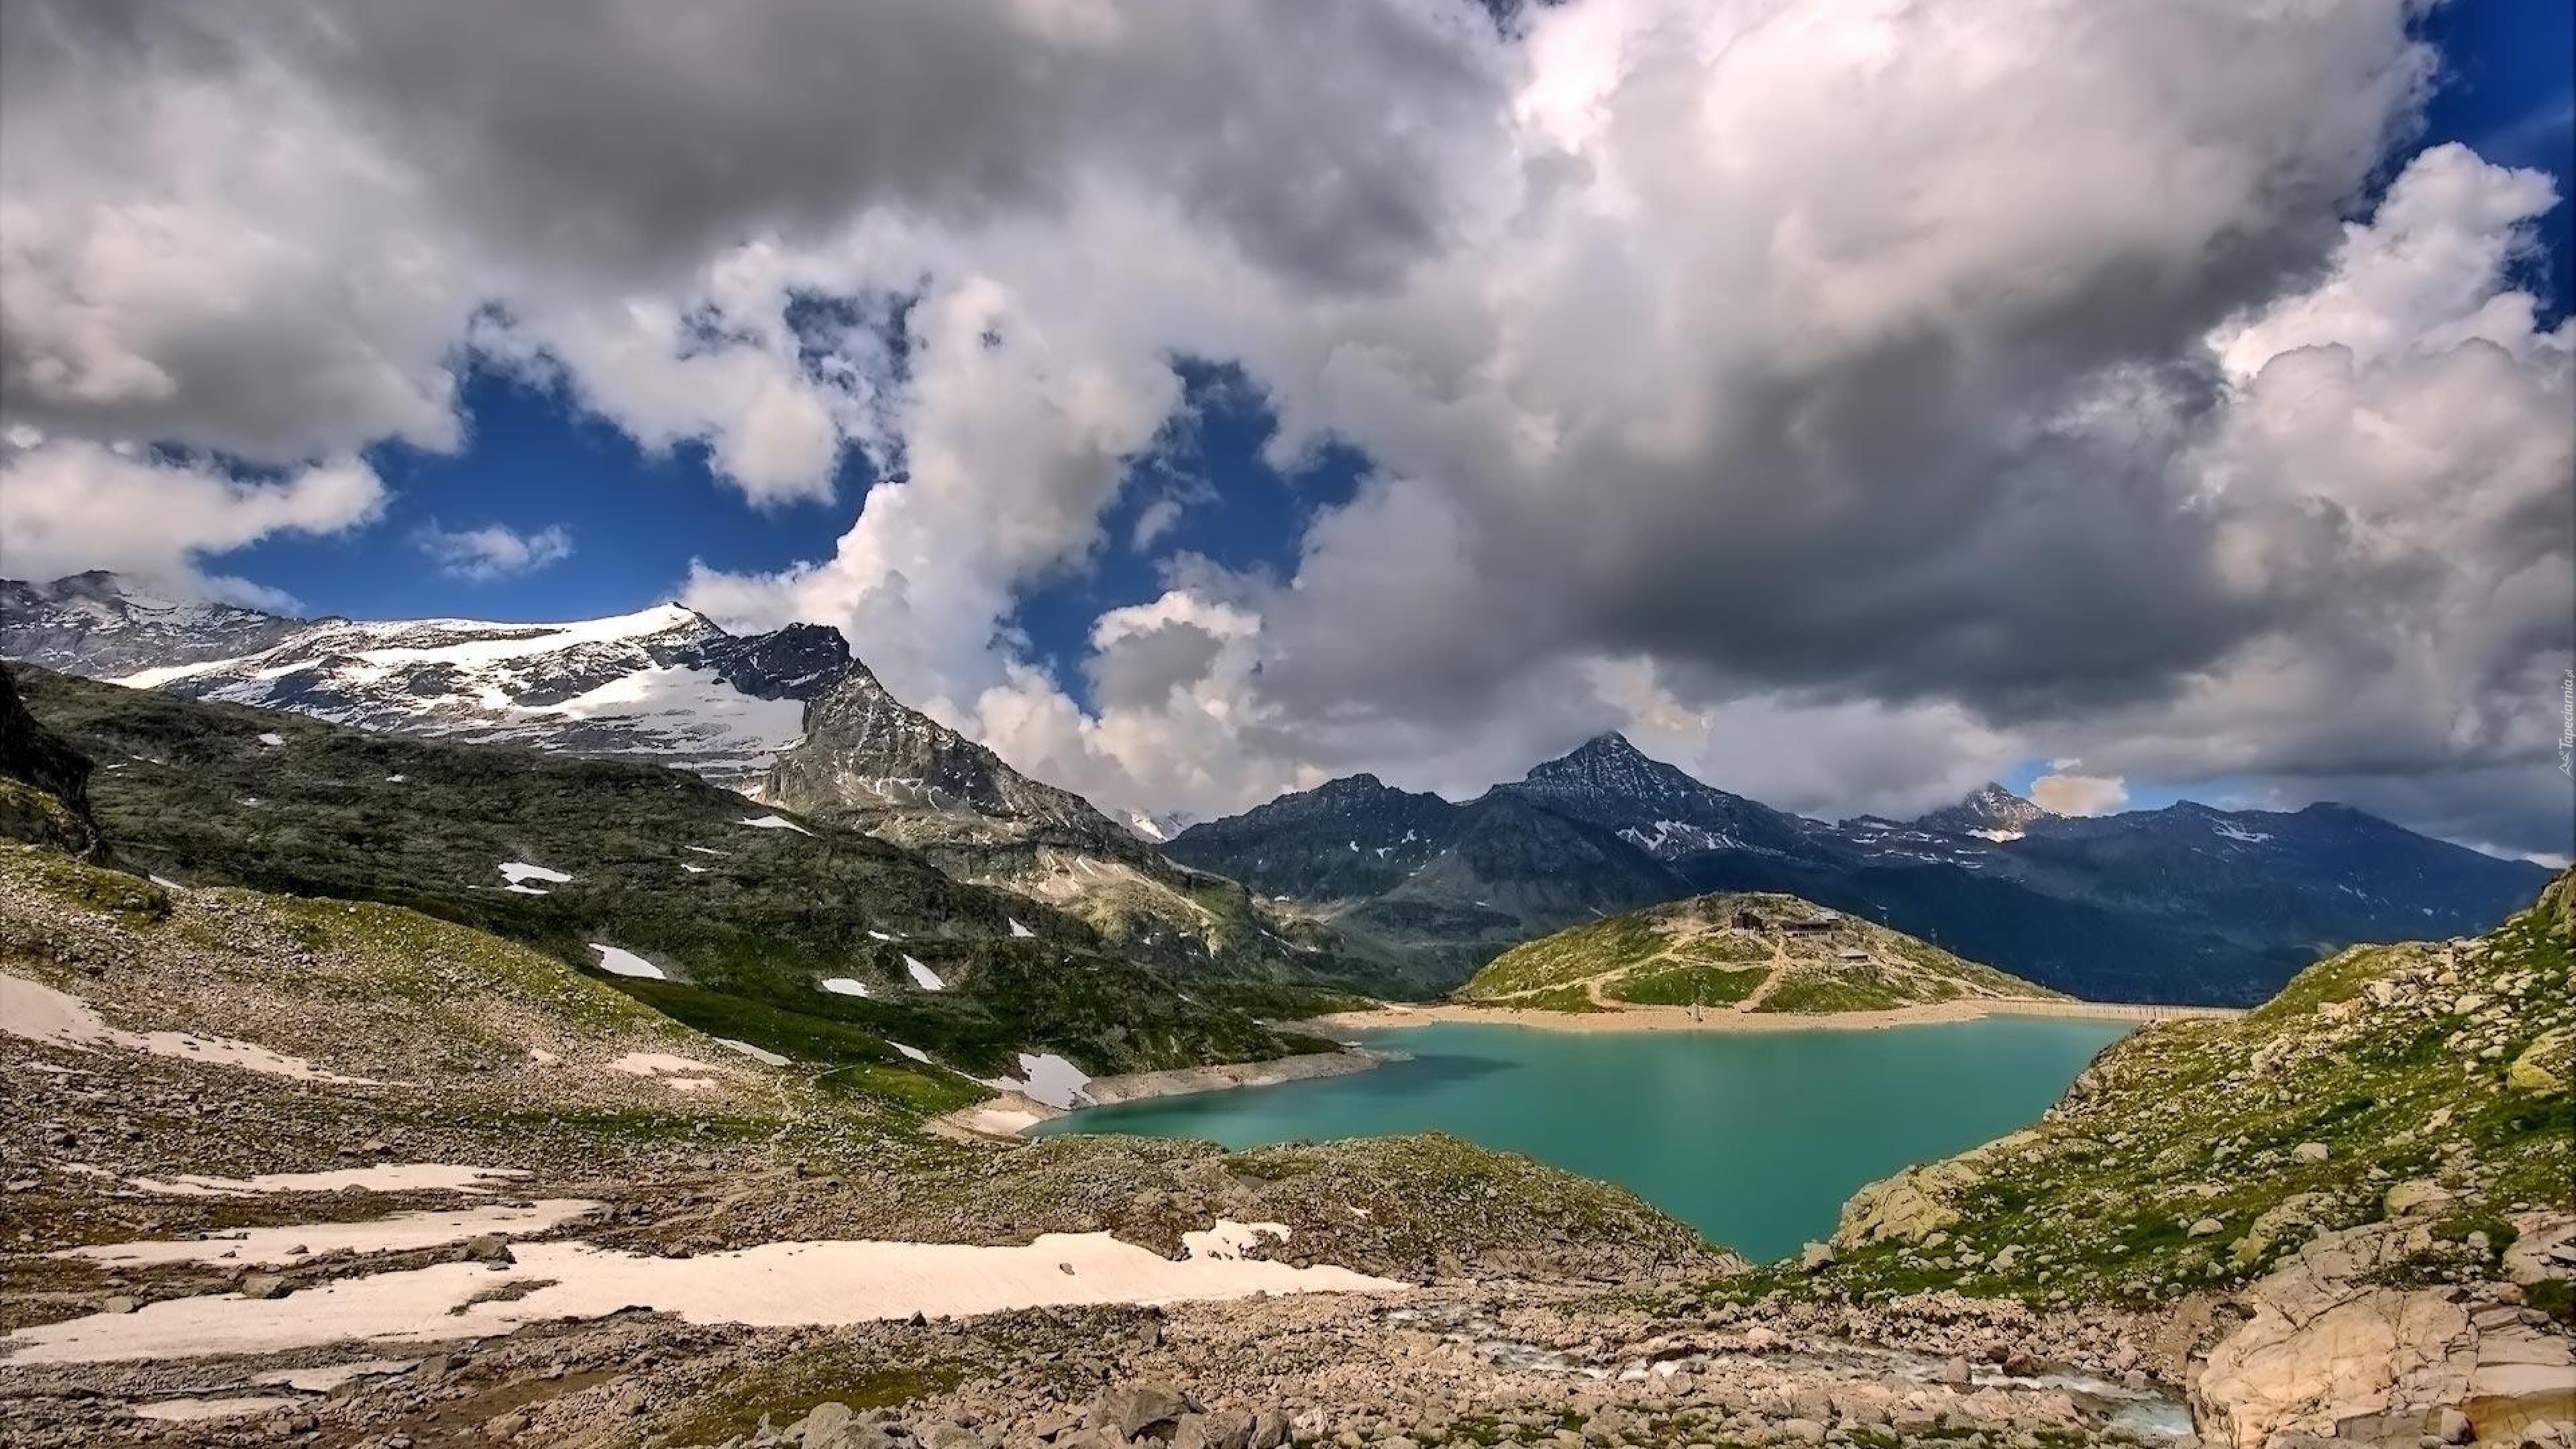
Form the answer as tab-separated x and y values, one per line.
118	1304
827	1425
2453	1427
489	1248
2542	1068
1189	1431
951	1436
263	1285
2205	1228
2417	1197
1129	1409
2310	1152
1816	1257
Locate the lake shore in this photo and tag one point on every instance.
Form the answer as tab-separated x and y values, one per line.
1006	1117
1679	1018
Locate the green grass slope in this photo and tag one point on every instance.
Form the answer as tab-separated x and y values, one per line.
746	921
1746	951
2427	1078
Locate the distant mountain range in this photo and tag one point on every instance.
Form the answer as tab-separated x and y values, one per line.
1352	882
2184	904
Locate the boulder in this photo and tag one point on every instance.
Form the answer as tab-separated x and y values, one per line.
1129	1409
1817	1257
2542	1069
2329	1345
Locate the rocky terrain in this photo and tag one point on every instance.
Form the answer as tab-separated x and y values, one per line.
2181	905
1737	952
321	1171
2362	1191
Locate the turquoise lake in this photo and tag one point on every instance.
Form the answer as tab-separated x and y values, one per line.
1755	1138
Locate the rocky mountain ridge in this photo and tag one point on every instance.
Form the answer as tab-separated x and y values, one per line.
866	759
664	685
2183	905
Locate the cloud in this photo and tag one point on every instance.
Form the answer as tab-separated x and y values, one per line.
2067	794
494	551
1854	396
67	505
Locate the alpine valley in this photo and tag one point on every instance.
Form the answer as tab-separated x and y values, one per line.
1352	884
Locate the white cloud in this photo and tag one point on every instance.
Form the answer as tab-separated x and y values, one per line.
67	505
494	551
2079	794
1851	395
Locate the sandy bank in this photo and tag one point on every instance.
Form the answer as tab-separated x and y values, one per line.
1011	1113
1679	1018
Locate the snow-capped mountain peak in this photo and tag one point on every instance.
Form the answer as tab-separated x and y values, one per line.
1990	811
663	683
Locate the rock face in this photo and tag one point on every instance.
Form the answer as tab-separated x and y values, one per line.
868	759
44	782
664	685
2331	1351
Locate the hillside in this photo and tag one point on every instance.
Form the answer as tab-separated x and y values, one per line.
787	714
2184	905
2381	1155
1740	952
745	914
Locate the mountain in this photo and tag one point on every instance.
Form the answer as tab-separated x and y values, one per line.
1415	876
1989	811
2185	904
1736	952
667	686
1652	805
763	926
664	685
867	760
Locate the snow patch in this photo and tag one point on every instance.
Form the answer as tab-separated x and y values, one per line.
40	1013
384	1177
1046	1077
777	1285
774	822
923	976
518	873
757	1054
844	986
189	1411
1018	930
1997	836
914	1052
400	1233
619	962
272	739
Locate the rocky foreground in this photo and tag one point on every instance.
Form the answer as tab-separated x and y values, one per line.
305	1172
